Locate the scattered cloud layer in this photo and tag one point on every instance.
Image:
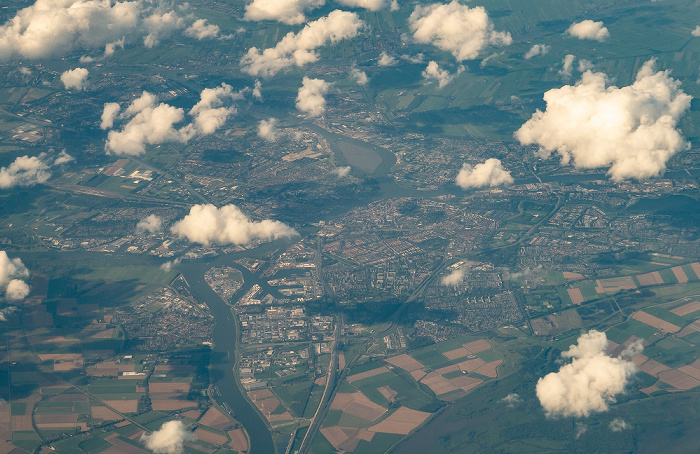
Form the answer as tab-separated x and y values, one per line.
535	50
298	49
74	78
488	173
145	121
589	29
290	12
13	274
442	76
591	381
207	224
631	130
150	224
169	439
310	99
267	130
29	171
453	279
456	28
56	27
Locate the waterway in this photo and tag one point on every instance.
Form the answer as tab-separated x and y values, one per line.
376	162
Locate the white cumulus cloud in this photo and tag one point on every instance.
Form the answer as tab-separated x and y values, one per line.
74	78
169	439
29	171
56	27
267	130
201	29
618	425
589	29
456	28
631	130
535	50
591	381
207	224
298	49
454	278
442	76
150	224
386	60
13	274
4	312
149	122
488	173
290	12
310	98
696	31
567	66
359	75
342	172
167	266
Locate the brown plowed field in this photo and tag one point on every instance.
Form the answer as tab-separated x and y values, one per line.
402	421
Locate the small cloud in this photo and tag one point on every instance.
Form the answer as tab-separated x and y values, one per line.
74	78
299	49
584	65
342	172
371	5
28	171
110	48
618	425
207	224
169	439
456	28
257	93
591	381
418	58
167	266
588	29
13	273
537	49
443	76
386	60
511	400
310	99
359	76
696	31
454	278
150	224
581	428
16	290
632	129
267	130
290	12
489	173
150	122
567	66
4	312
201	29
